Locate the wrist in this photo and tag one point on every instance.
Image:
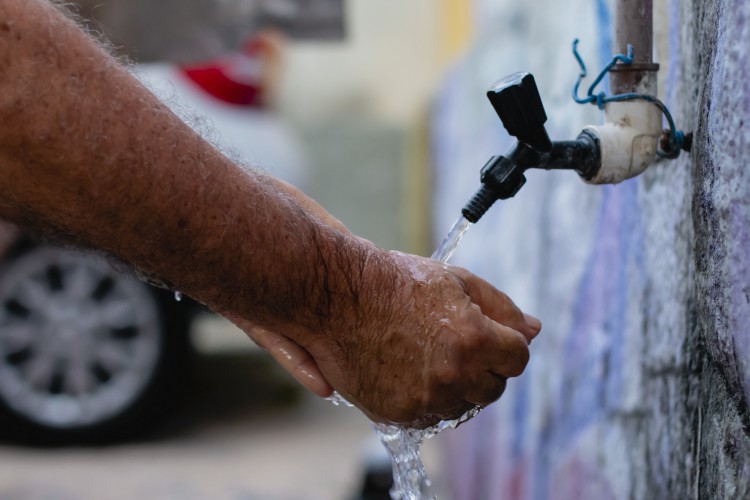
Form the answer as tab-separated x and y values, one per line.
376	295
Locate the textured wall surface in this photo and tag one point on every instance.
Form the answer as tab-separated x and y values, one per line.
639	386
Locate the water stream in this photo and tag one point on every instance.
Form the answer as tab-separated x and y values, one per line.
448	246
410	482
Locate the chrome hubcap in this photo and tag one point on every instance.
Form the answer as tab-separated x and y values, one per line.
78	341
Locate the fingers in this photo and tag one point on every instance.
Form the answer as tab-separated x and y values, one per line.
505	354
515	348
486	389
498	306
534	323
477	356
472	363
290	355
294	359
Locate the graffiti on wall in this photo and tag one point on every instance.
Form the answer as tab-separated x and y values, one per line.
610	405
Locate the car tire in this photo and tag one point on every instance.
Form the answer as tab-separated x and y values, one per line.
88	354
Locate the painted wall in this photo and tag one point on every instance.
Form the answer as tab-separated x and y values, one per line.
639	384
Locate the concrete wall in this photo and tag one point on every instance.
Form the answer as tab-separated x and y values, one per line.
639	384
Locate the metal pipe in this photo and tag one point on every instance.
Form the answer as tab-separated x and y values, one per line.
634	26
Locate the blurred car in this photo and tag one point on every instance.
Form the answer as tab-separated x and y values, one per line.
88	352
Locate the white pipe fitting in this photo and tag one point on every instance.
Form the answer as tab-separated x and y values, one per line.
627	140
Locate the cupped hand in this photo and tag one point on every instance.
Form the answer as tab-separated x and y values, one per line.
438	342
429	342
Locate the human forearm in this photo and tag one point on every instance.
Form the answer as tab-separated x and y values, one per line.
89	152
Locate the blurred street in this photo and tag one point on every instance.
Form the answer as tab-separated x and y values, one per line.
245	431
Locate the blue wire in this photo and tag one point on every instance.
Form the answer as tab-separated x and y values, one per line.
676	137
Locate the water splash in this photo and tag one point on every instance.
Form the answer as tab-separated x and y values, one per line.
410	481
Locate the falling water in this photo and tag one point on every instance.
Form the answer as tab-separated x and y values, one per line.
449	244
410	482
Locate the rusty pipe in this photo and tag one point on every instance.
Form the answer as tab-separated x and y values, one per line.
634	26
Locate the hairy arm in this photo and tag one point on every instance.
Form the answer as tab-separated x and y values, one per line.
87	152
93	154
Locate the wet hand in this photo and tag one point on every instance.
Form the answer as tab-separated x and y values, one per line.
427	342
431	342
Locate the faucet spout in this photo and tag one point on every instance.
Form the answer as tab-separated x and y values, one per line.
502	177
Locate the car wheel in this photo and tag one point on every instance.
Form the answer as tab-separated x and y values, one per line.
87	353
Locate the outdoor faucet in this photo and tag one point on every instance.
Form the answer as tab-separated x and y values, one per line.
623	147
518	104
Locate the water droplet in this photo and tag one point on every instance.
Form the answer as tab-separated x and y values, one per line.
178	296
338	400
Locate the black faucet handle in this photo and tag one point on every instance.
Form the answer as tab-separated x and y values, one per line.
518	104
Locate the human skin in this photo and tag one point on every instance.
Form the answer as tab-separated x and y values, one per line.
88	154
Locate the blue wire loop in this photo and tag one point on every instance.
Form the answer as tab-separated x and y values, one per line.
676	137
